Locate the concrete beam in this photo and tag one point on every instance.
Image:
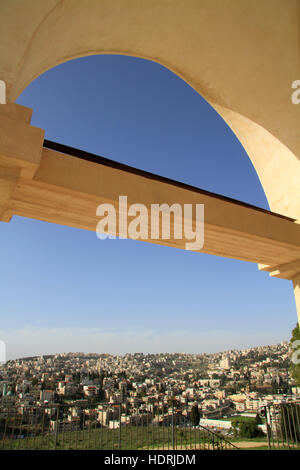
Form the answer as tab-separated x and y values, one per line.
20	152
8	180
67	190
20	143
287	270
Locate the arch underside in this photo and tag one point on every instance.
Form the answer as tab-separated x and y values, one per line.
240	56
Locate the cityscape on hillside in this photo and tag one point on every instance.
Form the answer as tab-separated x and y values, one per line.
95	401
222	384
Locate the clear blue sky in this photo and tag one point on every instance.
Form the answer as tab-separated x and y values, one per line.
62	289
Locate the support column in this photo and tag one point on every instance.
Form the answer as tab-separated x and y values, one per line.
296	284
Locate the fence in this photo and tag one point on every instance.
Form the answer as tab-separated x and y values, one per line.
104	426
283	425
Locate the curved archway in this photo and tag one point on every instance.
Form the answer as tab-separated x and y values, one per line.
226	52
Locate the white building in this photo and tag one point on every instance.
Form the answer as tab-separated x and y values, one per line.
225	363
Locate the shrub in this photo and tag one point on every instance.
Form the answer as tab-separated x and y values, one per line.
250	429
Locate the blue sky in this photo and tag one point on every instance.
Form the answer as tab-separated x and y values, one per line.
62	289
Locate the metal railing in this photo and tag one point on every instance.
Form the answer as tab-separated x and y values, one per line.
283	425
104	426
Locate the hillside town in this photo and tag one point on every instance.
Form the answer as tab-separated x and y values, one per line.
222	384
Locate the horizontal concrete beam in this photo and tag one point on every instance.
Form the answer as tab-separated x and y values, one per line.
287	270
67	190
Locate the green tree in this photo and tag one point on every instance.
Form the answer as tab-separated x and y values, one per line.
195	415
235	427
101	394
249	429
76	377
258	419
294	367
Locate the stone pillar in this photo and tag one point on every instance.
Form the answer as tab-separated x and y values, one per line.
296	283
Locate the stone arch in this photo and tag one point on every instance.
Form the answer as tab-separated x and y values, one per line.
227	52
